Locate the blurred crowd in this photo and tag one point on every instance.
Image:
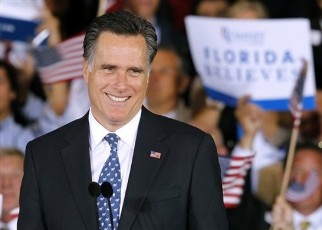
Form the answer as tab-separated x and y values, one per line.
42	88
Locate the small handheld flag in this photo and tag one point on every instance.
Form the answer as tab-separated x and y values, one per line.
296	110
300	191
297	95
62	62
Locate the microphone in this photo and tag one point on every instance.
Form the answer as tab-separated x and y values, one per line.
94	189
107	191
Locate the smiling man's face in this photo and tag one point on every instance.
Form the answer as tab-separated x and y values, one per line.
117	78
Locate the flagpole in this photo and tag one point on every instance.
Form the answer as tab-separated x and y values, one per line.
296	109
289	161
288	167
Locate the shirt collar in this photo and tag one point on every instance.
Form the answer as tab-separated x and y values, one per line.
314	218
127	133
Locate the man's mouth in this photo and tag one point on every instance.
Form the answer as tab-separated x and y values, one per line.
117	99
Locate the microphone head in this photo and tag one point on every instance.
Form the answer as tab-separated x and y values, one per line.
94	189
107	190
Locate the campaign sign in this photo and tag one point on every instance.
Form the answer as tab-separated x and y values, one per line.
261	58
17	29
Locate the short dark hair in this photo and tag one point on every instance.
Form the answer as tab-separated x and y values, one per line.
184	69
304	145
308	145
120	23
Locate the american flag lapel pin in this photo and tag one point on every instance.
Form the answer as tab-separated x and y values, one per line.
155	154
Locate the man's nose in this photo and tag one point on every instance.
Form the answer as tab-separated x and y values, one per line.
121	80
300	178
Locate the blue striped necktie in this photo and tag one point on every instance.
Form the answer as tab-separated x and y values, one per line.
111	173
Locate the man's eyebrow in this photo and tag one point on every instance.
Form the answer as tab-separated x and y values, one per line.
107	66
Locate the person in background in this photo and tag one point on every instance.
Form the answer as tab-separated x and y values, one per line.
169	80
11	172
270	177
247	10
59	63
301	208
13	131
249	116
157	13
166	173
211	8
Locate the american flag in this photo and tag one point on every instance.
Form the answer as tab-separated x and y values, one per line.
297	96
233	179
154	154
62	62
297	192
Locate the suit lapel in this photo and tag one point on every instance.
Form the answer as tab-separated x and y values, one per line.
77	165
144	167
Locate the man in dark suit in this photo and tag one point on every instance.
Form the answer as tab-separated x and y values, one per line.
170	176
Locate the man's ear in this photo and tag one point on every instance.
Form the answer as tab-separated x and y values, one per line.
184	81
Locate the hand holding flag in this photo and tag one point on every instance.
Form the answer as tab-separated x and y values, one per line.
296	110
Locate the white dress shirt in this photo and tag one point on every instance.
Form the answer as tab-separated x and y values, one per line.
100	150
315	219
266	154
78	105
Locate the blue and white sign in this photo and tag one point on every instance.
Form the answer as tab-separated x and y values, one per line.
261	58
15	29
19	19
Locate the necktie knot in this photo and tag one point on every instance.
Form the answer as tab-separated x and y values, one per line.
304	225
112	140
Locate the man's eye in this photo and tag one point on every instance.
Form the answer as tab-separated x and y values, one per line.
135	72
109	68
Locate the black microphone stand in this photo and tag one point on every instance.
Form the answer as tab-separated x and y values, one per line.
107	191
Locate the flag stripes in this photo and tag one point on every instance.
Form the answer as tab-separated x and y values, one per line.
68	63
234	179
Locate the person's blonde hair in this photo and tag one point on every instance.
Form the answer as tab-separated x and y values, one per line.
4	152
256	7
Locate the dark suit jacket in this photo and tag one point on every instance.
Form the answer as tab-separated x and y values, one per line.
181	190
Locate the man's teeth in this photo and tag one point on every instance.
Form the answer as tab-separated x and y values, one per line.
118	99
